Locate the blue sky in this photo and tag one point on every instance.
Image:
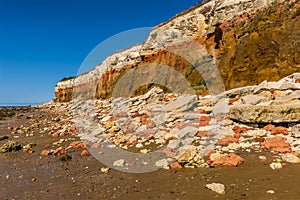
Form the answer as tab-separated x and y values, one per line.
43	41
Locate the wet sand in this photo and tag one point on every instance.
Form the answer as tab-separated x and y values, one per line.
32	176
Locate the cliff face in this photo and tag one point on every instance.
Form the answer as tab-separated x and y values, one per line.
247	40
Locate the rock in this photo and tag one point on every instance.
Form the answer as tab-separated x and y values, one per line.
227	140
188	132
85	153
262	158
173	144
105	170
77	144
216	187
162	163
279	130
183	103
256	133
271	192
119	163
275	165
175	165
187	156
10	146
45	153
254	99
269	127
290	158
276	144
3	138
265	114
296	131
238	129
204	121
230	159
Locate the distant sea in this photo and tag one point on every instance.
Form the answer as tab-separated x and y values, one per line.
19	104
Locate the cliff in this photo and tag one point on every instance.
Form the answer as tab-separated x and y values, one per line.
249	41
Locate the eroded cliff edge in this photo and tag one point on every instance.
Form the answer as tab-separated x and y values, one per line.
248	40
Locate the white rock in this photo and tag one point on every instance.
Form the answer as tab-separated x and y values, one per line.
162	163
290	158
275	165
216	187
271	192
188	131
173	144
256	133
119	163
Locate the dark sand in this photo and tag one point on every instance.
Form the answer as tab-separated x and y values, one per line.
31	176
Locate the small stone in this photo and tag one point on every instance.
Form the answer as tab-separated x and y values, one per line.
105	170
279	130
276	144
230	159
227	140
290	158
271	192
262	158
253	99
10	146
216	187
204	121
162	163
269	127
119	163
275	165
45	153
139	145
187	155
3	137
175	165
85	153
144	151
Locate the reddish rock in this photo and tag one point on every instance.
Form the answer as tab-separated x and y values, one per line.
73	129
232	100
227	140
202	111
202	134
204	121
59	151
144	118
84	153
231	160
268	127
239	130
280	130
150	123
175	165
135	115
297	80
63	134
276	144
134	142
45	153
77	144
55	135
237	135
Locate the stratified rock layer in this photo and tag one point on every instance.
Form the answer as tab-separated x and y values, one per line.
248	41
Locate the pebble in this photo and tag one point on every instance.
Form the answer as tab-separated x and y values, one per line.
216	187
275	165
119	163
